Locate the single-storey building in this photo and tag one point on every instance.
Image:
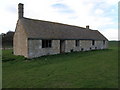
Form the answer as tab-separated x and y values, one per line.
35	38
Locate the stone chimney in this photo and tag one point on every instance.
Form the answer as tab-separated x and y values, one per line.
20	10
87	27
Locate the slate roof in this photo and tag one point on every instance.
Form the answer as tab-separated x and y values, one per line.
38	29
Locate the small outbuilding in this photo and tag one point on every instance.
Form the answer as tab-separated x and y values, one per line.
35	38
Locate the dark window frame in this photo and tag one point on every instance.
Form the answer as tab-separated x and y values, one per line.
77	43
46	43
93	42
103	42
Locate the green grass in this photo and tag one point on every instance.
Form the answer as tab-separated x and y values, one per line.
92	69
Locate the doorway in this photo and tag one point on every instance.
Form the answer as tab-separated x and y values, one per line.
62	46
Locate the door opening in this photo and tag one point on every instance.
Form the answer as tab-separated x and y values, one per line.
62	46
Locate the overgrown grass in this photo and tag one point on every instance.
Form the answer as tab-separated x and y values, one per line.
92	69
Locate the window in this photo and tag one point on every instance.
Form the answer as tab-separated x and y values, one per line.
46	43
77	43
93	42
103	42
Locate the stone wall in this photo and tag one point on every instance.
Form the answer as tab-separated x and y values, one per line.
36	50
100	45
84	45
20	46
69	45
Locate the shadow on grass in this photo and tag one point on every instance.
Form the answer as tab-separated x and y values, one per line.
8	55
70	56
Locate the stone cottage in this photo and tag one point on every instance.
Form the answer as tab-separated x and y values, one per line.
35	38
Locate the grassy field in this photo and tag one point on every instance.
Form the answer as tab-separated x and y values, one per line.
92	69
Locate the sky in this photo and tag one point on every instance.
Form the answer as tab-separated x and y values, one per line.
100	15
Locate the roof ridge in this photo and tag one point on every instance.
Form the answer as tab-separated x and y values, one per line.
56	23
